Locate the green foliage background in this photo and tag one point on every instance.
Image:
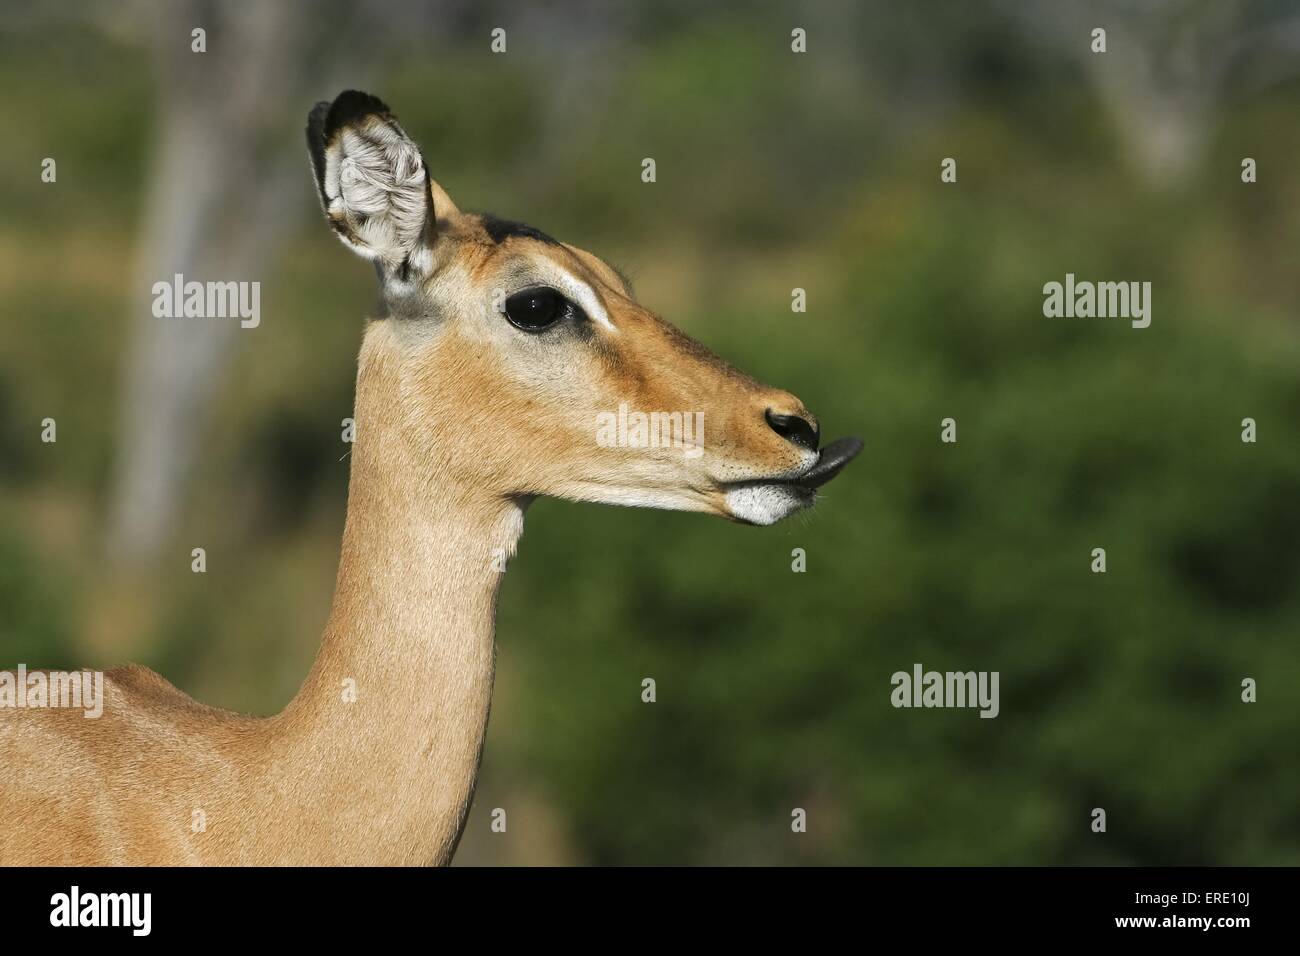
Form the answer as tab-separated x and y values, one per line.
1118	691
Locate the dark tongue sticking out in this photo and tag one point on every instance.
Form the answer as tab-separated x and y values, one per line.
833	458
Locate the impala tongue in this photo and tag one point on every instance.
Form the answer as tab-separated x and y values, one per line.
833	458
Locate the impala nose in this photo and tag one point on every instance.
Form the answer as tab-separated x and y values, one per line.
793	429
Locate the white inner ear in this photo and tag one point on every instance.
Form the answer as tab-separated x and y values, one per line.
375	185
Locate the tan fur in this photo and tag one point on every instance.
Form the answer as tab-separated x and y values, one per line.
461	420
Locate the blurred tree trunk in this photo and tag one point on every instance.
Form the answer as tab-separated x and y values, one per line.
1169	67
229	180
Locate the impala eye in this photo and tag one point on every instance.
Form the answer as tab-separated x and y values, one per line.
536	309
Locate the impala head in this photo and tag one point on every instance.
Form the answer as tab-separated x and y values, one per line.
526	366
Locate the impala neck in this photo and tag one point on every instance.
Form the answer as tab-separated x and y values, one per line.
385	737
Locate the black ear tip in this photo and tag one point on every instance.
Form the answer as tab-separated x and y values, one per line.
349	107
316	124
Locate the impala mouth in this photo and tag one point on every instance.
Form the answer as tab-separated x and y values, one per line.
829	463
767	501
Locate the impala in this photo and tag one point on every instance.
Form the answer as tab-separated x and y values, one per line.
480	383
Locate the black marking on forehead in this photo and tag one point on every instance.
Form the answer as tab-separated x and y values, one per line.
500	230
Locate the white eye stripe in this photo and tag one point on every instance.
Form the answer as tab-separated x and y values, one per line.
581	293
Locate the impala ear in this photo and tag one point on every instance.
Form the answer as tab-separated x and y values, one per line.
373	183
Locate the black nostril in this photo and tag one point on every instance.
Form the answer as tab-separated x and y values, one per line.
793	428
